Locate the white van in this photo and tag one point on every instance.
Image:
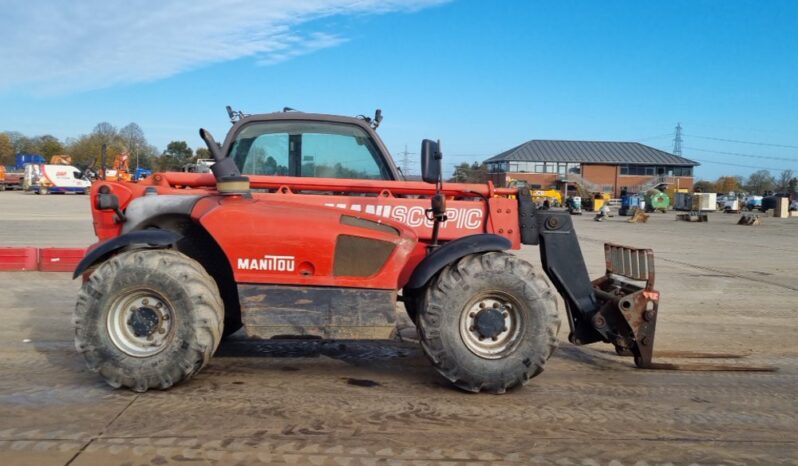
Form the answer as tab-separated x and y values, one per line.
44	179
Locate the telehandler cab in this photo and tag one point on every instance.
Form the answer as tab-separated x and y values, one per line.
306	228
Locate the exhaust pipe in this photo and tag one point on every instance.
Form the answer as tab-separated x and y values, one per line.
102	159
228	176
223	167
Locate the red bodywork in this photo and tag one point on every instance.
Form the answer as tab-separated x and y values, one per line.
301	218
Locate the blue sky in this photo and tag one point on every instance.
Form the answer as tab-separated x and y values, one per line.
481	76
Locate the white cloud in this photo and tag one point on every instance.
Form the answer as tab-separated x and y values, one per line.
57	46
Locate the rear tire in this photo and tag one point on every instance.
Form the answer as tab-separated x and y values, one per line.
494	294
148	319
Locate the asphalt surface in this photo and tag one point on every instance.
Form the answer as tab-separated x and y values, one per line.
725	288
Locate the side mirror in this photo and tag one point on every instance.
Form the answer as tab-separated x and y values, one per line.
431	161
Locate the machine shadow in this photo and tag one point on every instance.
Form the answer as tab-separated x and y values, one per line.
352	351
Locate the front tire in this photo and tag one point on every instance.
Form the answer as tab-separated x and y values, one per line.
488	322
148	319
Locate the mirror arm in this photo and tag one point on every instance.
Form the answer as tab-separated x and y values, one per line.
438	210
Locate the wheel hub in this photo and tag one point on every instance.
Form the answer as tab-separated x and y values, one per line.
489	323
140	323
143	321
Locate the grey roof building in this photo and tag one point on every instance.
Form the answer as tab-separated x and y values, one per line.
599	166
590	152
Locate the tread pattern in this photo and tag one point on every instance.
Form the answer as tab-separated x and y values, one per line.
454	282
205	306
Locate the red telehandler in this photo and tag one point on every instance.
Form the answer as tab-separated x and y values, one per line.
305	227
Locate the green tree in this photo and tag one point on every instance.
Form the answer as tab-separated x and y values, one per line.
48	146
106	131
17	140
203	153
86	149
759	182
727	184
6	150
176	155
26	145
703	186
132	137
783	183
474	173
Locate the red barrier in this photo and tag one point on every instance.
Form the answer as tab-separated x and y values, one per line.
60	259
19	259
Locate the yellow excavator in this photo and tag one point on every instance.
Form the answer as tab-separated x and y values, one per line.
539	196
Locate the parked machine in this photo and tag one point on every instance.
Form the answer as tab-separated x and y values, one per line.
630	202
200	166
120	169
753	202
656	200
731	204
15	177
141	173
46	179
683	201
574	205
302	255
551	196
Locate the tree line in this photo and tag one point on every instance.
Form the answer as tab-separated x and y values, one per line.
757	183
474	173
85	149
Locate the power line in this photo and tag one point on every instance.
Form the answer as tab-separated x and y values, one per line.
738	154
737	141
468	155
659	136
743	166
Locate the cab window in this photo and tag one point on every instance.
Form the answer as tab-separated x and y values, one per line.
309	149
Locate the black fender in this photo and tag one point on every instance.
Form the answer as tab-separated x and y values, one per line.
453	250
134	240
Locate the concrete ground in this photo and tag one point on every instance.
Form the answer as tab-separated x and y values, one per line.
725	288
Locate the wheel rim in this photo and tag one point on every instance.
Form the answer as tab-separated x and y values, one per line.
140	323
490	325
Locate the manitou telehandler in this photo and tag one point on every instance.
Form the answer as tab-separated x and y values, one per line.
305	227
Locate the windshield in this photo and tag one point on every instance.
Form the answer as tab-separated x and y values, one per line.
310	149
